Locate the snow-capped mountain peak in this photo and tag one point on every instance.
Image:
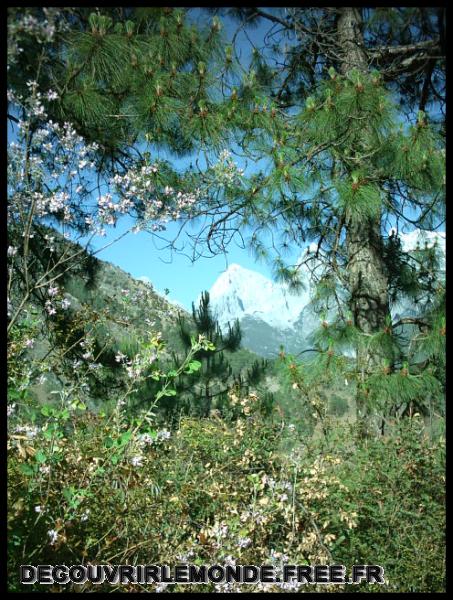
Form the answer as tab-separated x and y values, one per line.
271	316
416	237
240	292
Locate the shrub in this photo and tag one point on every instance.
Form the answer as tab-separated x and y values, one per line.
116	490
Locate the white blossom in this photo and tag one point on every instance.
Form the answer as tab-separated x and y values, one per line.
52	291
84	516
137	461
53	536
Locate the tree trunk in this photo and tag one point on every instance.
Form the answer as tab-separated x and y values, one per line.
350	41
368	284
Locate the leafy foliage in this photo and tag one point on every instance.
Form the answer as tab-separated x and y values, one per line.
347	466
216	491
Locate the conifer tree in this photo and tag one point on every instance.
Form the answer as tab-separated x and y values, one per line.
342	167
341	108
209	384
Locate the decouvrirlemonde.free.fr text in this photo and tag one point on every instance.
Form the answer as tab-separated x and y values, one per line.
193	574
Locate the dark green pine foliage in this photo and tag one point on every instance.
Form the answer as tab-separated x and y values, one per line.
342	111
207	387
125	73
211	380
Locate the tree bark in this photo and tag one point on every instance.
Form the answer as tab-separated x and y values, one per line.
368	283
350	40
367	277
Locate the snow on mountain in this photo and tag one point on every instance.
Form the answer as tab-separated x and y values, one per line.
271	316
410	240
240	292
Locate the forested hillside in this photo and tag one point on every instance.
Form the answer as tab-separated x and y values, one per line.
141	433
114	311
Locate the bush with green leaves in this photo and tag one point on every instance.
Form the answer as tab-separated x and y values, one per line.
94	94
93	489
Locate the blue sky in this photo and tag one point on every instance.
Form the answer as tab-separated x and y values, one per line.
143	256
140	255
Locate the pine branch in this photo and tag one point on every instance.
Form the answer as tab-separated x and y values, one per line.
426	84
406	58
273	18
411	321
382	51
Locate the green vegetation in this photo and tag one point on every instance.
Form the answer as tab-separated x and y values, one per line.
214	376
140	434
244	488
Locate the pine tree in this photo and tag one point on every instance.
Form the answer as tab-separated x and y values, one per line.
342	165
209	385
343	113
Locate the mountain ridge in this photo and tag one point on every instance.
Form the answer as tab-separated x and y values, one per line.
270	316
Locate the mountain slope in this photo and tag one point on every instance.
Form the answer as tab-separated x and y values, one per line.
270	316
125	311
